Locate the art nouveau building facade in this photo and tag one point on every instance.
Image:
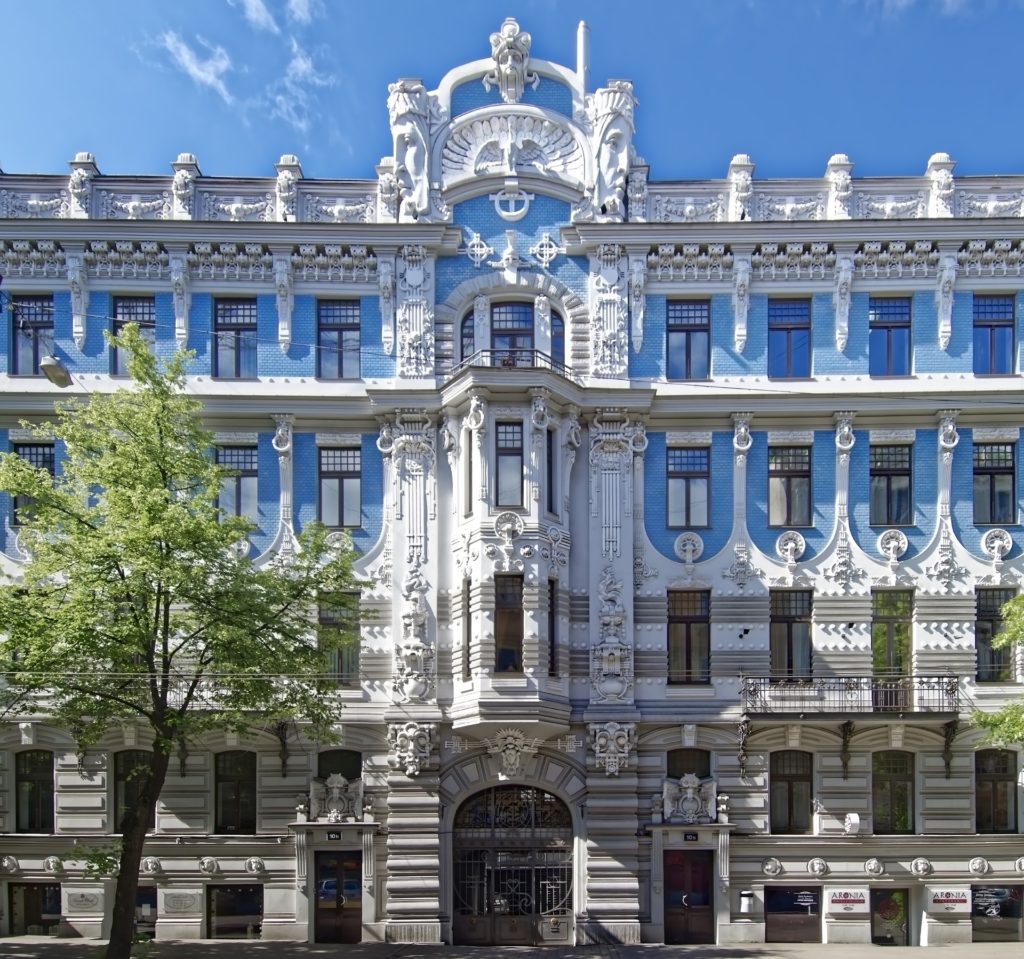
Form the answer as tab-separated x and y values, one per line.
689	509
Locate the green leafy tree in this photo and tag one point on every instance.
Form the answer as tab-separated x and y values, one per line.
134	607
1006	726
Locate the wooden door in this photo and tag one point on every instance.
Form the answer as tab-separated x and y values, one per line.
689	902
339	897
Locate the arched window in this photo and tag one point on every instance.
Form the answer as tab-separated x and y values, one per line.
344	762
995	790
235	772
791	773
132	769
467	336
33	778
683	761
892	791
557	340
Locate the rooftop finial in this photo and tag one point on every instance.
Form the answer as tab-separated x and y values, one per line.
583	54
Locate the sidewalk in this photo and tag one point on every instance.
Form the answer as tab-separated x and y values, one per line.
41	947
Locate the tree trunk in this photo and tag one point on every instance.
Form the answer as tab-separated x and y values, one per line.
136	821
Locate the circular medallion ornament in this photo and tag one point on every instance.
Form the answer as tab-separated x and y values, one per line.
53	864
150	865
874	867
508	525
1019	864
208	865
892	544
771	867
8	864
979	866
254	865
689	547
996	544
790	546
817	866
921	866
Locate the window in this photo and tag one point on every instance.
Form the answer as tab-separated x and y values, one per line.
891	621
995	790
468	336
889	336
33	784
340	487
995	499
140	310
995	665
467	629
343	660
552	627
790	633
689	337
340	762
689	631
689	474
512	334
892	791
683	761
993	334
234	331
508	624
337	324
509	479
551	475
890	486
789	486
131	775
32	335
236	792
41	456
557	340
239	491
789	338
790	771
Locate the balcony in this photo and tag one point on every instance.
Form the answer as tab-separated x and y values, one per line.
514	360
848	695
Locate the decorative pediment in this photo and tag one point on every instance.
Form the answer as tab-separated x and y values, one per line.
510	143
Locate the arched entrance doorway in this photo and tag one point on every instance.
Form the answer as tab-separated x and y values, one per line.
512	850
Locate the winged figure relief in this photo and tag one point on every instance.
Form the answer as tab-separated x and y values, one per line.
510	144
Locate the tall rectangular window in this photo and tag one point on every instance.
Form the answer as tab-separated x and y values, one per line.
790	633
689	636
791	777
512	334
889	336
41	456
239	492
892	613
891	502
140	310
234	336
31	333
993	335
235	785
995	499
508	624
551	472
689	478
995	790
340	486
509	454
995	664
132	772
33	788
337	325
343	662
892	791
552	627
789	486
689	337
789	339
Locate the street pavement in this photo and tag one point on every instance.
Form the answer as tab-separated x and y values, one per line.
39	947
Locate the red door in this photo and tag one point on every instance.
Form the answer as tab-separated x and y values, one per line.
689	906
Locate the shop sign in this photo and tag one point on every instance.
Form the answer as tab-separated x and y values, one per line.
848	902
947	900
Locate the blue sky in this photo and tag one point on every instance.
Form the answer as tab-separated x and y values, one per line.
239	82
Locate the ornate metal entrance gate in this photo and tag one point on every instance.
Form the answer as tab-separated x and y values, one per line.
512	848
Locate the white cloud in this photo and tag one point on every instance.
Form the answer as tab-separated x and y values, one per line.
257	15
302	11
292	97
208	72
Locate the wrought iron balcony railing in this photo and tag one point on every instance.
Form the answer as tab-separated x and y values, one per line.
515	360
787	694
